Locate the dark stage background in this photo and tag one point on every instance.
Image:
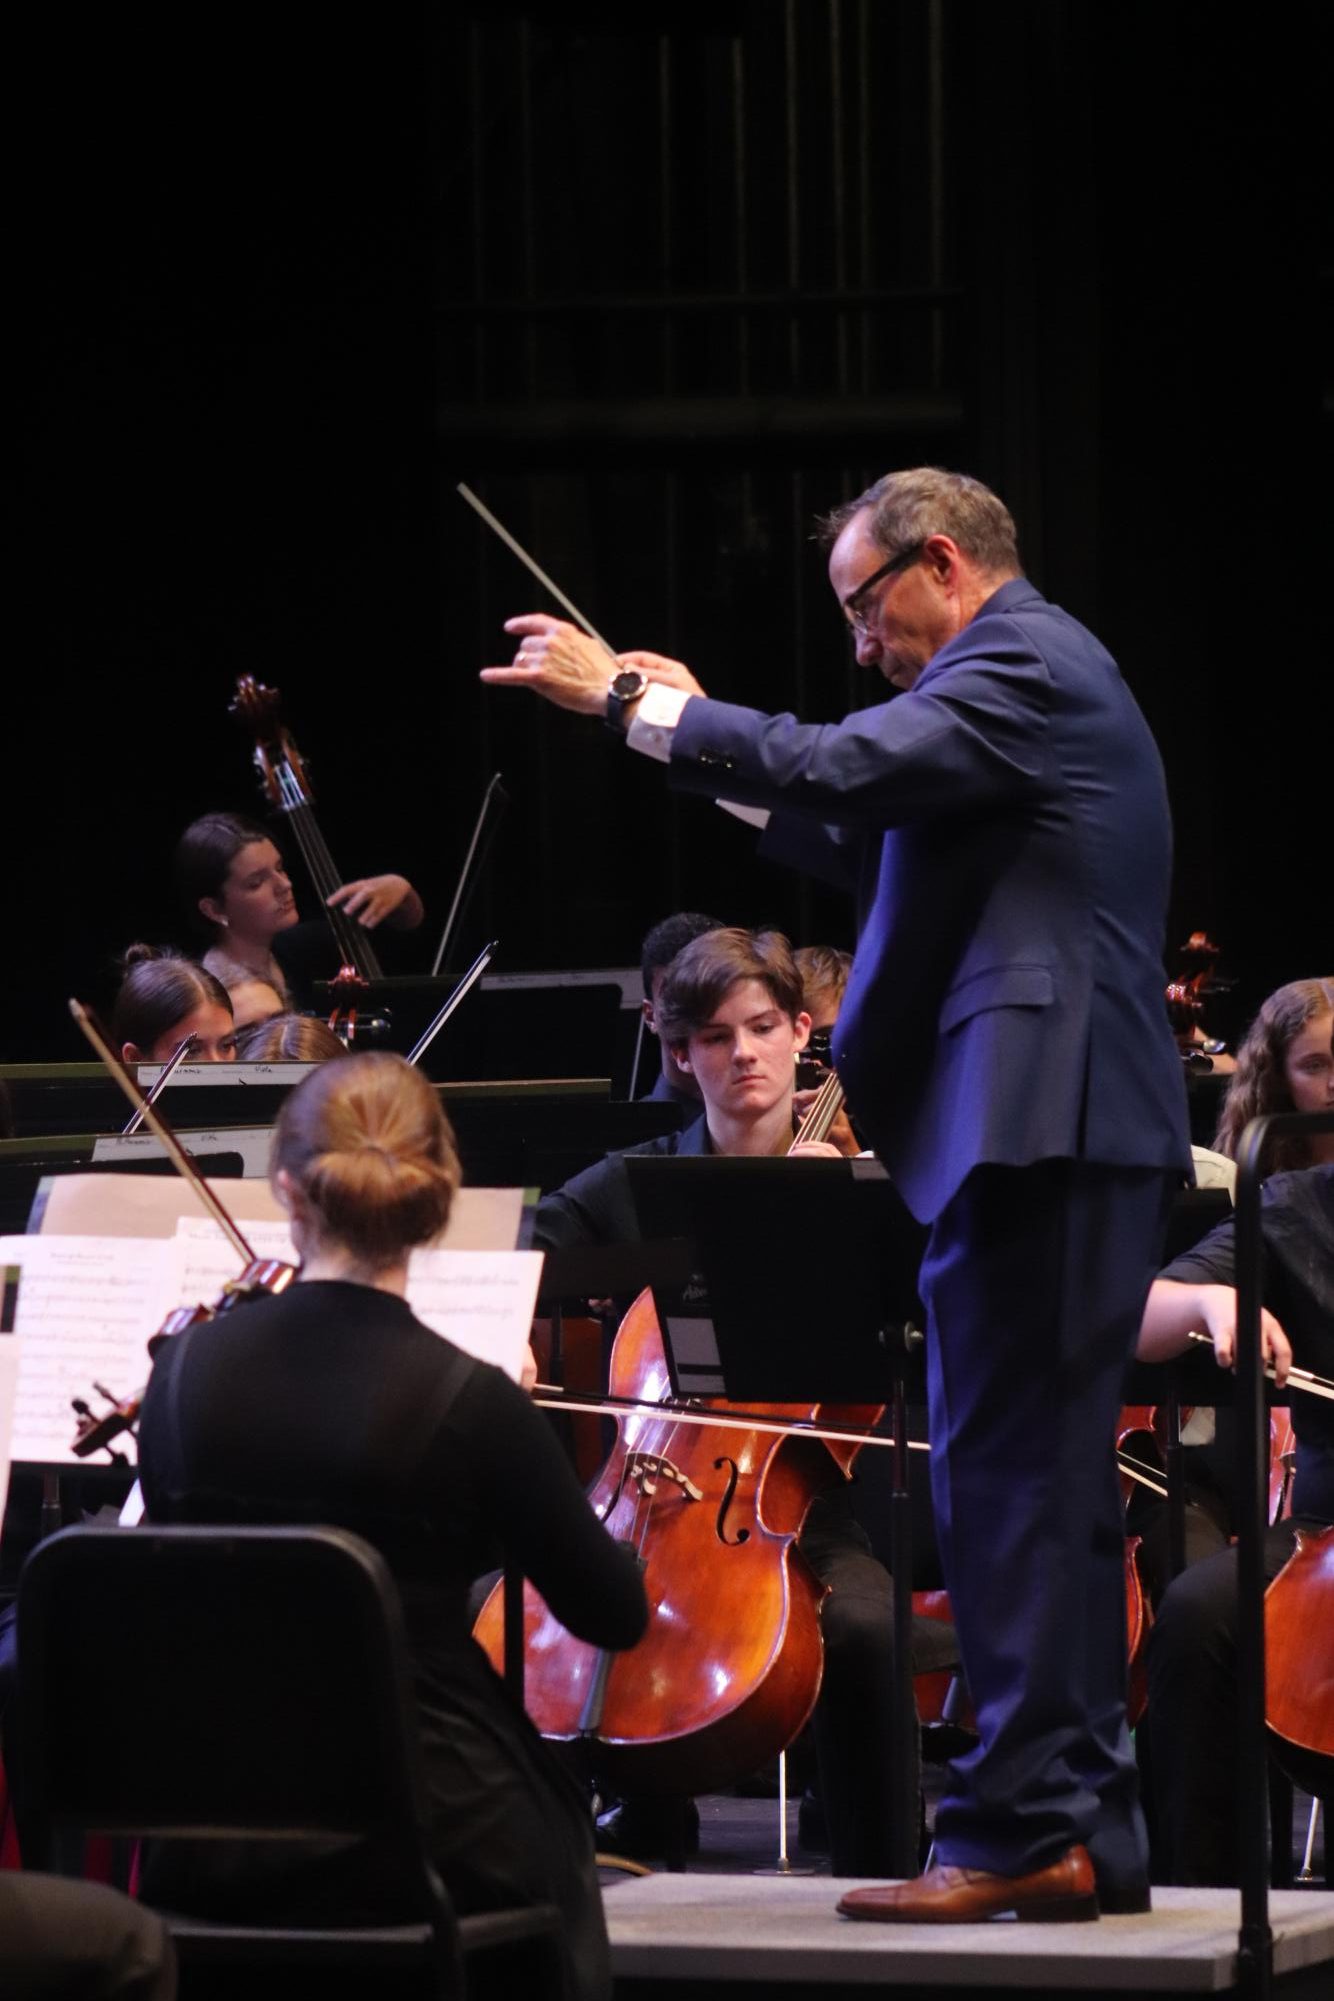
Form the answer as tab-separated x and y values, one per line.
661	281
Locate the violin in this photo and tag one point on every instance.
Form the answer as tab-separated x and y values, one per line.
1196	981
95	1431
283	776
713	1499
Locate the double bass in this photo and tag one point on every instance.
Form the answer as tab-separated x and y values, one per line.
286	784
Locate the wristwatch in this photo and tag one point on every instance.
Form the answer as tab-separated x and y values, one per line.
623	689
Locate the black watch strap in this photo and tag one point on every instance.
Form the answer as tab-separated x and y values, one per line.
624	689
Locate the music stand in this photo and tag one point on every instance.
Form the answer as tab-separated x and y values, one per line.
741	1326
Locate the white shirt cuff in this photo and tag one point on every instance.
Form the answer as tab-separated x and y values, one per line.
754	816
655	719
651	729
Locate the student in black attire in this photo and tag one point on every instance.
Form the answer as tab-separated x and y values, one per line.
332	1403
730	1012
1192	1647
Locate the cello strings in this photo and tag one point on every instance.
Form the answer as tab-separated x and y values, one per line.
354	948
322	872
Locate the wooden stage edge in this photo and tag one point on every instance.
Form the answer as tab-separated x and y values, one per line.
679	1935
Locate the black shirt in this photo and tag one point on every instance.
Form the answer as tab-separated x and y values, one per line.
333	1403
1298	1223
596	1207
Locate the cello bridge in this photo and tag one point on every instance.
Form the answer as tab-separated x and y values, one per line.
647	1469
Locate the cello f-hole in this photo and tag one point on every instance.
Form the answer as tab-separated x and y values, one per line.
733	1474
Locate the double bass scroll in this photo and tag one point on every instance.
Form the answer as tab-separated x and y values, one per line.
285	782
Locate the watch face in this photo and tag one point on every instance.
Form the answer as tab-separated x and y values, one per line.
628	683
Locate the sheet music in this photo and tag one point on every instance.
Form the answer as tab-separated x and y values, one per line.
253	1143
482	1301
224	1076
87	1307
207	1260
143	1205
10	1350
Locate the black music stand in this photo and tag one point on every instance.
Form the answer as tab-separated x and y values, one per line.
740	1326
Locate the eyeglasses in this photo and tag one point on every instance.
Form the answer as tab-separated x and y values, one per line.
857	616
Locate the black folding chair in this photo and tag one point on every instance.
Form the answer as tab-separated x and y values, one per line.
237	1684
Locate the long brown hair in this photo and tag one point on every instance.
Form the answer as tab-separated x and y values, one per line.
1258	1083
366	1142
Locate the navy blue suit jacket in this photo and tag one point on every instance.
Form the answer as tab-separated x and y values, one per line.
1005	827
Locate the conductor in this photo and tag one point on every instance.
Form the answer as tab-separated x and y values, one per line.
1002	821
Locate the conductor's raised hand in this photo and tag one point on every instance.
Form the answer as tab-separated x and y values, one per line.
657	666
563	665
557	661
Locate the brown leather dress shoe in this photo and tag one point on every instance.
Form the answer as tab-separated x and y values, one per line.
1063	1893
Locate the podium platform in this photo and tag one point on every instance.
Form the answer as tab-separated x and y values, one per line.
710	1934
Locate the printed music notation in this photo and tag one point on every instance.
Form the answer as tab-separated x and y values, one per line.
83	1308
84	1312
482	1301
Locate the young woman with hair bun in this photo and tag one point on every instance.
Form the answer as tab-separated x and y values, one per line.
162	999
332	1403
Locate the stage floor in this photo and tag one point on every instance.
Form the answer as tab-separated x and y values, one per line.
720	1928
678	1934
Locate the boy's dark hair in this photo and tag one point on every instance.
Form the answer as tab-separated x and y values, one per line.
665	940
700	978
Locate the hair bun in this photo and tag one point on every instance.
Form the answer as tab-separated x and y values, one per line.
140	954
368	1145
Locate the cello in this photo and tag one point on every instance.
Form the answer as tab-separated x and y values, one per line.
730	1667
1299	1658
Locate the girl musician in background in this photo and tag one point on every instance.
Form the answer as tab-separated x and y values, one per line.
1191	1718
1284	1064
237	890
162	999
332	1403
288	1038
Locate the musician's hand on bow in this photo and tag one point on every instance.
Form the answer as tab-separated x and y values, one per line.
813	1149
376	898
528	1370
1217	1305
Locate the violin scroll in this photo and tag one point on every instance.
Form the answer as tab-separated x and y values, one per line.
95	1430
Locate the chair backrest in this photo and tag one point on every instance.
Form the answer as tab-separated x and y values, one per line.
217	1682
